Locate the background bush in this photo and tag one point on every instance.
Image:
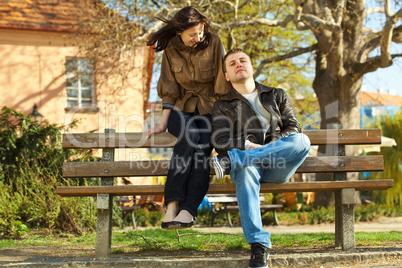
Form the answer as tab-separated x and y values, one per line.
391	126
31	158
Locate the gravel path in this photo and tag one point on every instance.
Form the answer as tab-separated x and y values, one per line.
383	224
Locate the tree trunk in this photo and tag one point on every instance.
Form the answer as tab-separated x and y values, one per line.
337	108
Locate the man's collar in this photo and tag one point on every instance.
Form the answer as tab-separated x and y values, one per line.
233	94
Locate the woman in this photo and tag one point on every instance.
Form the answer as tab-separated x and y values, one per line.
191	80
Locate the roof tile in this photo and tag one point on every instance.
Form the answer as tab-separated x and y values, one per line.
57	15
380	99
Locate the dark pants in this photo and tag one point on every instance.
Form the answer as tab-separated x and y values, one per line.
188	176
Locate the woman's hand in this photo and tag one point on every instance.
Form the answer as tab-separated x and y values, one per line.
158	129
162	126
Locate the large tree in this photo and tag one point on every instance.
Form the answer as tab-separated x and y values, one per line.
275	31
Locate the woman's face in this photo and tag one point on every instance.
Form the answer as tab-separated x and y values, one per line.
192	36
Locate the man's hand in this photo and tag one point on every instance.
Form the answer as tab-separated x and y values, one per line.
254	145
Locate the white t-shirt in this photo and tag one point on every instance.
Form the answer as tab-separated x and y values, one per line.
263	115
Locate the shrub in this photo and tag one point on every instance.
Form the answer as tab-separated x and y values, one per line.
31	158
391	126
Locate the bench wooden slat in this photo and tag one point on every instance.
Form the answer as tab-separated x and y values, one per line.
117	140
367	185
160	167
262	207
344	136
164	140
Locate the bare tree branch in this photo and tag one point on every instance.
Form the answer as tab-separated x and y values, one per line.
298	12
312	21
257	21
316	23
386	11
387	8
387	34
370	31
228	11
386	37
371	65
397	35
149	31
292	54
339	11
373	10
373	40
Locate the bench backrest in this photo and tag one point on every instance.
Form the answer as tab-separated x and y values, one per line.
335	138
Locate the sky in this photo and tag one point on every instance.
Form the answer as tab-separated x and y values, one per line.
388	80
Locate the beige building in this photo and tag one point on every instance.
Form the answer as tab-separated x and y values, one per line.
40	65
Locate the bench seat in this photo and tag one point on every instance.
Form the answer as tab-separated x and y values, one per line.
315	186
225	203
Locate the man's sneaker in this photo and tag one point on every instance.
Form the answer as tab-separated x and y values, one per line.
221	165
259	256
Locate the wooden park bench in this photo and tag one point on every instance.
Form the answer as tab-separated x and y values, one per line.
224	203
128	206
334	139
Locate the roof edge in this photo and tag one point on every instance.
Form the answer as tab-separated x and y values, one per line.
36	29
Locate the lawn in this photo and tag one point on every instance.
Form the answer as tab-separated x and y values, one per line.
155	239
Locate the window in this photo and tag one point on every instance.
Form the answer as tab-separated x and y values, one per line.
80	83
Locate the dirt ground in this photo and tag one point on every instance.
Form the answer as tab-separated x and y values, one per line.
12	255
15	255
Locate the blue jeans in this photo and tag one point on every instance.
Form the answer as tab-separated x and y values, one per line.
273	162
188	176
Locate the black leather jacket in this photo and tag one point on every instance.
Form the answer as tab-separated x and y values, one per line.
234	120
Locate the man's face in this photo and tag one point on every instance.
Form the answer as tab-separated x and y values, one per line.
238	67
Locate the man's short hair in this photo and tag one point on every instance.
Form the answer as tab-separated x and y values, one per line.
234	51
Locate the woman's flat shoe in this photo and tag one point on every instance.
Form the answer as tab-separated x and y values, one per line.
181	225
166	225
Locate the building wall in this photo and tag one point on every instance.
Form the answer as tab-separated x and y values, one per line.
374	105
35	39
32	70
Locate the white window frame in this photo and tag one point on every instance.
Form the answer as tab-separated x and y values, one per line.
79	87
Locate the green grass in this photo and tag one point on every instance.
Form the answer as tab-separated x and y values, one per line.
378	239
162	240
48	240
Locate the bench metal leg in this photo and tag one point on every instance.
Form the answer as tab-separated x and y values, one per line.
104	226
213	215
133	219
123	216
276	218
344	219
229	219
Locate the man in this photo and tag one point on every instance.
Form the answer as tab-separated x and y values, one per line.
257	136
